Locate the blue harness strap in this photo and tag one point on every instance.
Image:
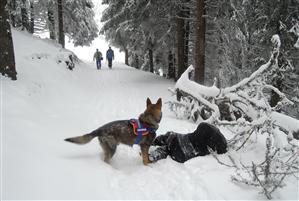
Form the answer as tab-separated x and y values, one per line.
140	130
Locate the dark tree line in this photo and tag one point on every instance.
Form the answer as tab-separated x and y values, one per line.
229	37
226	40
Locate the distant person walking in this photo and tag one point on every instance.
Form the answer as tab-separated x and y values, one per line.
98	57
110	57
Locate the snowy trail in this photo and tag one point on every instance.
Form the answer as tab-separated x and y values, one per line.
49	103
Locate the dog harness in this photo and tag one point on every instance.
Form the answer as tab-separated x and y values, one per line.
140	129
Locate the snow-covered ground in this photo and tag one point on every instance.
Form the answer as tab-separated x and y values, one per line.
48	103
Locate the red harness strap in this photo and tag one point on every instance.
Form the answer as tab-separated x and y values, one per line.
137	128
141	129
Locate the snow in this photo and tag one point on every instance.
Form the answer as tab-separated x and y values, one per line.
295	30
290	123
276	40
48	103
186	84
86	53
245	81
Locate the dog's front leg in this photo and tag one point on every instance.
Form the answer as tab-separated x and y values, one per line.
144	152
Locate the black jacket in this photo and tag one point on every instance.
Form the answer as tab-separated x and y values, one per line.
182	147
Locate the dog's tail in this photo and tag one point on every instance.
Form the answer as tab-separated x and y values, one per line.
84	139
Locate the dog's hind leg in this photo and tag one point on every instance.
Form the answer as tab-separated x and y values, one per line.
108	151
109	148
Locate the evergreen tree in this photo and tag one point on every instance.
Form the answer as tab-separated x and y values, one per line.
18	11
147	28
24	15
31	26
199	65
61	37
79	23
7	58
180	39
21	14
76	19
51	20
12	6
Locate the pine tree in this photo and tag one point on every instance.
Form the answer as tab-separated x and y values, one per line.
7	64
21	14
199	65
146	27
171	66
18	12
31	26
51	20
24	14
79	23
61	37
12	6
180	40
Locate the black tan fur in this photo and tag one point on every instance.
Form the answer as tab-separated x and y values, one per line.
112	134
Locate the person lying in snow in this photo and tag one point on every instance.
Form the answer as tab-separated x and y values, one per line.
182	147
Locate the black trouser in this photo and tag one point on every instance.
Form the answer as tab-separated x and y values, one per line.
110	63
182	147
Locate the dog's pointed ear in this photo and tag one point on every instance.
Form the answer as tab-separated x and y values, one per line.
159	102
148	102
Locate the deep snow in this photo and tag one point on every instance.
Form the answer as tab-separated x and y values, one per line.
49	103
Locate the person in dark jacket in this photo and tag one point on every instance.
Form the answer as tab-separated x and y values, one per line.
182	147
110	57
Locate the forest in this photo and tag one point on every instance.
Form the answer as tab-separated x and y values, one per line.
223	40
234	64
226	40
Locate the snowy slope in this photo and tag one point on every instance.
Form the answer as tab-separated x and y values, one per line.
49	103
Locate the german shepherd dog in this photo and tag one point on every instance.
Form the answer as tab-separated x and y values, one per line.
112	134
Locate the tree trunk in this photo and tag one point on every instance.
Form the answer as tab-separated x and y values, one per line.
126	56
180	42
187	34
199	62
151	60
7	57
24	14
61	39
51	22
12	14
150	54
136	61
31	30
171	71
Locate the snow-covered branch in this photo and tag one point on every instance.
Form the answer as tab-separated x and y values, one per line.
245	109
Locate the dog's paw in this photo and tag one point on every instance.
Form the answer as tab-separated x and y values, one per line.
146	162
